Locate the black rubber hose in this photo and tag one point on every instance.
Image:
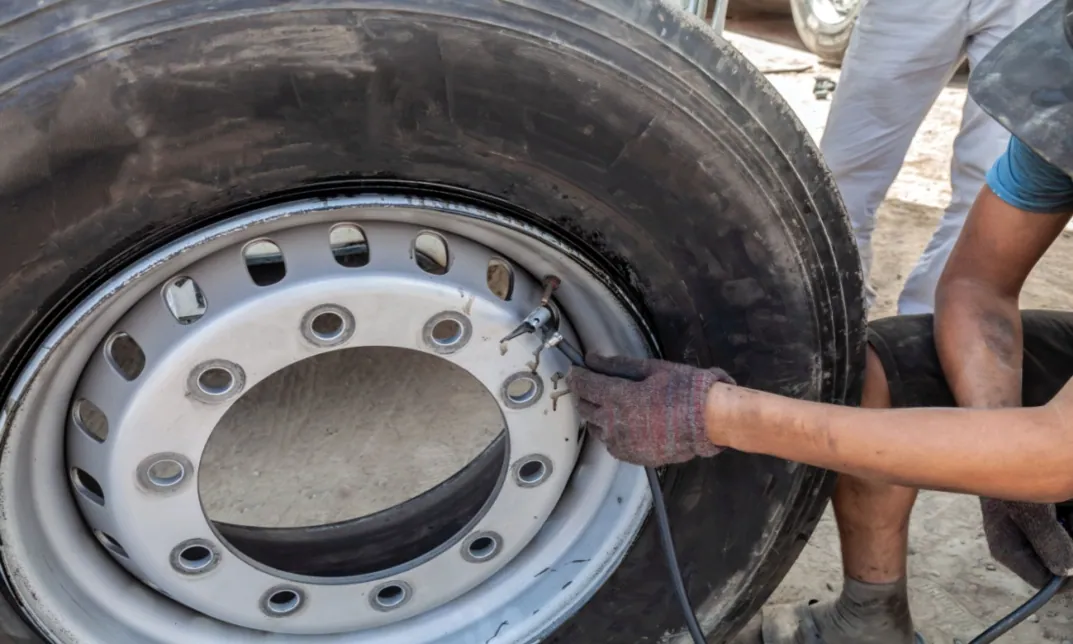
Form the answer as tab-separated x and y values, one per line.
1023	612
663	524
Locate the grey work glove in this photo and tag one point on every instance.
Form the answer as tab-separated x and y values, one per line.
1028	539
656	419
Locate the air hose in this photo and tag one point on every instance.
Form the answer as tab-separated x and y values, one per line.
663	525
663	522
1022	612
1044	595
544	320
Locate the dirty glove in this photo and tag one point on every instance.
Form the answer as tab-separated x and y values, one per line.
654	420
1028	539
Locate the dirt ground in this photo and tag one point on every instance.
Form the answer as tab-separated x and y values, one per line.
956	589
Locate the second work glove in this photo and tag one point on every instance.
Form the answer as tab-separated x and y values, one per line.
1028	539
654	416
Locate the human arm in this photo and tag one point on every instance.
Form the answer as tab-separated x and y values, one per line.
1017	454
1013	454
1014	220
671	413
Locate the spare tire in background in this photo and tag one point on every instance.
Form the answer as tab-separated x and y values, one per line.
620	132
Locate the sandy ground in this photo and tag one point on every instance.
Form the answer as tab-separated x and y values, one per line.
956	589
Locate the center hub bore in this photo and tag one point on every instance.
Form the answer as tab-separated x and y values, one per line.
147	404
304	473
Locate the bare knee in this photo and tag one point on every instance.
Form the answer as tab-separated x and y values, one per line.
876	393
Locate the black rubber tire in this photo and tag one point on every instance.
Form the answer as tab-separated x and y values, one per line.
828	40
623	125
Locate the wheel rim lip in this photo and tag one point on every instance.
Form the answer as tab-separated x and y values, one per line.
24	575
395	299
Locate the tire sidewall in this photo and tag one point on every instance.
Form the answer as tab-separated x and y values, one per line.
144	156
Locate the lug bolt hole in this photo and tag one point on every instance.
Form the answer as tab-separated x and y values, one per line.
194	557
522	390
166	473
481	547
532	470
216	381
281	602
327	326
390	596
447	332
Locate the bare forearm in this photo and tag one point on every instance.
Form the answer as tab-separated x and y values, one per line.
979	340
1021	454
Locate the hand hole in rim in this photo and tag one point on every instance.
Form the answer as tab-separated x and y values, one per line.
126	356
185	300
110	544
216	381
166	473
264	262
349	245
281	602
87	486
500	278
431	254
91	420
327	326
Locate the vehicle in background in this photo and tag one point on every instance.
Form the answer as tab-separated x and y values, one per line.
823	25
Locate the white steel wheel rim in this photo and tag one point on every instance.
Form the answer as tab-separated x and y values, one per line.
585	511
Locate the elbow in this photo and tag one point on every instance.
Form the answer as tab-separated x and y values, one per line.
955	288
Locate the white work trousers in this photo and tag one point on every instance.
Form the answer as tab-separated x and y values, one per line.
901	55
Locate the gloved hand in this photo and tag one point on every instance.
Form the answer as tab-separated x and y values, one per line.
656	421
1028	539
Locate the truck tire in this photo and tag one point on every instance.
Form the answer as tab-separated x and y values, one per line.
825	26
158	151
